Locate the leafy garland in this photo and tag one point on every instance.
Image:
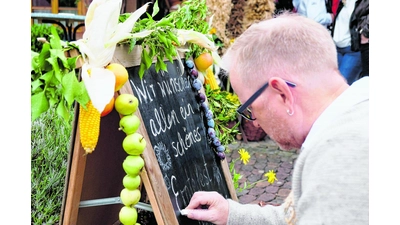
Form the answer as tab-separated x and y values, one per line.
163	41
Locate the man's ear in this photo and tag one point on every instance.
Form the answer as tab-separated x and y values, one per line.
279	86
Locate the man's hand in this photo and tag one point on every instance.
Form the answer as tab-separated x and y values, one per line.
208	206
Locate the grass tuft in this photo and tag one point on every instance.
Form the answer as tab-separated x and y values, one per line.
50	142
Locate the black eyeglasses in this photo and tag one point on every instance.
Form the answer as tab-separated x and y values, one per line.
243	109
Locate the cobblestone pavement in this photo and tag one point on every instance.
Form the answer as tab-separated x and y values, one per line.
265	156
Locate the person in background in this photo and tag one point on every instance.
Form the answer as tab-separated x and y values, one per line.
314	9
349	56
283	6
334	6
285	72
331	7
359	25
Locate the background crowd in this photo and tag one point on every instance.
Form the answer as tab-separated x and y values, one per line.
348	22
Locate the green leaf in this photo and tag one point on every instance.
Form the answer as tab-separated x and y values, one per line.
52	95
141	70
71	61
163	66
157	66
146	59
156	9
70	86
63	111
81	95
34	60
48	77
55	41
59	54
36	86
44	54
39	104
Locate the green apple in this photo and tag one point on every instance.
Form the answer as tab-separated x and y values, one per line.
131	182
129	124
134	144
126	104
128	215
133	164
130	197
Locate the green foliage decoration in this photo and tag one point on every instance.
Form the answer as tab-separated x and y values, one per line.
54	81
223	104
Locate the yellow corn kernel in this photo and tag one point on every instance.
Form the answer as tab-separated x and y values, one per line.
210	79
89	127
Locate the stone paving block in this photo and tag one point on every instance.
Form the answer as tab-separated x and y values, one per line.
272	189
247	199
281	175
262	184
266	197
285	170
283	192
287	185
287	164
256	191
272	166
278	183
260	165
253	178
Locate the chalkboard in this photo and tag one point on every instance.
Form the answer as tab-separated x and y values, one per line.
177	129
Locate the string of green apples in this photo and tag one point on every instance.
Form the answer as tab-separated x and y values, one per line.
133	144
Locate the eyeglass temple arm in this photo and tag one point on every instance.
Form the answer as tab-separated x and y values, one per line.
255	95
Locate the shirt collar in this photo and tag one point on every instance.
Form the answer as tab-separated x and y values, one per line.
356	93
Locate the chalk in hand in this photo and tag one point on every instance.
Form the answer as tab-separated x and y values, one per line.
184	212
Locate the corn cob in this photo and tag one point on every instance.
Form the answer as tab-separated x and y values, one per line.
89	127
210	78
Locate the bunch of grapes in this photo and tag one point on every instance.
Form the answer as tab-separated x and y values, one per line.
201	98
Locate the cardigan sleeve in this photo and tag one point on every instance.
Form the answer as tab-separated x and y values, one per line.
254	214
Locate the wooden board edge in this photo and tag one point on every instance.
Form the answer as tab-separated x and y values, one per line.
69	160
151	195
75	183
229	181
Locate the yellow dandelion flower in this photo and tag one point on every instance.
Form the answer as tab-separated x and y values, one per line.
213	30
271	176
232	40
232	98
244	156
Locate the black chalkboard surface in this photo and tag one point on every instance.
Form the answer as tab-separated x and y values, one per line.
176	128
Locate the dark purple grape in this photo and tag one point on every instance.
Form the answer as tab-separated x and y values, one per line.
201	97
197	84
211	132
221	148
211	123
221	155
194	73
190	64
